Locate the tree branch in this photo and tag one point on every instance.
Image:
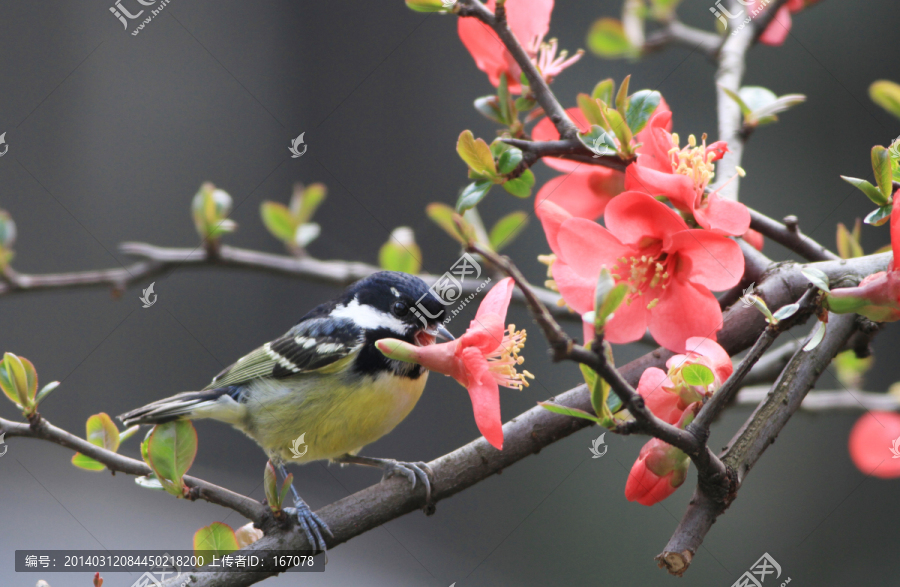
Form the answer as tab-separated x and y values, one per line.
839	399
677	32
43	430
789	235
570	149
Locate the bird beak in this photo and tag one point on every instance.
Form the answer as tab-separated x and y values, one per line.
442	332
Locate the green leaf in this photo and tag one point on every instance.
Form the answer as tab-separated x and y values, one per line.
641	108
591	110
622	96
600	142
509	160
697	374
817	336
128	433
476	154
102	432
524	104
270	485
217	539
872	192
604	91
503	98
879	216
881	165
766	114
442	215
785	312
620	128
745	110
817	277
171	450
278	220
848	242
45	391
305	202
574	412
507	229
400	252
472	194
521	186
887	95
488	106
756	97
606	38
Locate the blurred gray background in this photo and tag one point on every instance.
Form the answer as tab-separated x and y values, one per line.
110	135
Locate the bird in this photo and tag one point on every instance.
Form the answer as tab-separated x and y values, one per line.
325	379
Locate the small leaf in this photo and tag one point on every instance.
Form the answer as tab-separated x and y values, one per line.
102	432
590	108
604	91
128	433
697	374
887	95
507	228
785	312
817	336
217	539
604	307
600	142
509	160
503	98
305	201
472	194
488	106
767	113
881	165
87	463
622	96
606	38
307	233
745	110
270	485
476	154
872	192
879	216
641	108
848	242
521	186
756	97
565	411
45	391
278	220
620	128
817	277
442	215
171	450
400	252
149	482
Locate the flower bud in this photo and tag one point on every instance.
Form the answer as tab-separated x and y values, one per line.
659	470
877	297
210	208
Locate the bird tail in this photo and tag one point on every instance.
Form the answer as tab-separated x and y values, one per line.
219	404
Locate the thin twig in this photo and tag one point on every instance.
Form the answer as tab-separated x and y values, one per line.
789	235
676	32
829	399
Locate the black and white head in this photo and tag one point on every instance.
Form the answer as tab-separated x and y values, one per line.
389	304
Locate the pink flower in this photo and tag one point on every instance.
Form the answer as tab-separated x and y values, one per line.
548	62
669	269
654	387
682	175
780	27
659	470
706	352
873	444
529	21
581	194
481	360
877	297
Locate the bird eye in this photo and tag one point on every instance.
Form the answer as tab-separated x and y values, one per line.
400	309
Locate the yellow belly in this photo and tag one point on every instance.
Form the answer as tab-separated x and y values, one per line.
334	422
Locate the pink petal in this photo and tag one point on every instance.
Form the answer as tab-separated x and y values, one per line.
634	217
586	246
663	404
687	310
497	299
629	321
656	141
870	444
778	31
488	52
485	395
755	239
679	189
485	333
584	195
575	289
552	217
723	216
706	258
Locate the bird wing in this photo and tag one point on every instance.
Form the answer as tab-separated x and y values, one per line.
311	345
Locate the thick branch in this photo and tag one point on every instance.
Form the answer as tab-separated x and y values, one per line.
247	507
753	438
676	31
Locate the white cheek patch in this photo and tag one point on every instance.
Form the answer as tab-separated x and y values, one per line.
368	317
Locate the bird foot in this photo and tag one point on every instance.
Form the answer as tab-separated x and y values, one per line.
311	524
412	471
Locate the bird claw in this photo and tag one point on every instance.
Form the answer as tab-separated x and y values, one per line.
312	526
411	471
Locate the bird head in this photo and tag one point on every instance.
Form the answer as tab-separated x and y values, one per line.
390	304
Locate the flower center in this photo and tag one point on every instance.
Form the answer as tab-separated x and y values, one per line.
503	361
694	161
647	273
